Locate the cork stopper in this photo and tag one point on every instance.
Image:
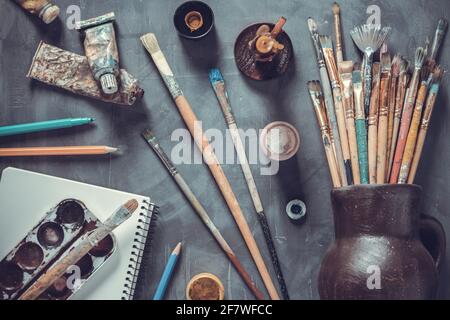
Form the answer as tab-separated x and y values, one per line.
50	13
109	83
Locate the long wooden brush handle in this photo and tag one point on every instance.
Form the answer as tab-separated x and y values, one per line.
367	67
331	114
392	100
382	130
372	125
431	100
338	33
202	213
404	127
351	133
201	141
412	134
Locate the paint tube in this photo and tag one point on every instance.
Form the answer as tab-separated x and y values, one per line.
101	50
70	71
44	9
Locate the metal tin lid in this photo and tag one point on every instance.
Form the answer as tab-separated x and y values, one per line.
279	141
296	209
109	83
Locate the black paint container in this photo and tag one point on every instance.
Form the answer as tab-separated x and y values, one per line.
193	19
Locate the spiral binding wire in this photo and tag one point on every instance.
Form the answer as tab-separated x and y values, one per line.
143	231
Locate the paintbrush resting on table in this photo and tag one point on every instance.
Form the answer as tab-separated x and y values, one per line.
372	123
151	44
329	104
327	49
201	212
81	248
429	106
345	73
414	127
360	124
385	78
319	107
218	84
407	114
369	38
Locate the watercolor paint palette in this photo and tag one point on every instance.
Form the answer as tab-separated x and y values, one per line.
55	234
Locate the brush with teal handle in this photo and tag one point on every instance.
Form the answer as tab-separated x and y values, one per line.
43	126
360	124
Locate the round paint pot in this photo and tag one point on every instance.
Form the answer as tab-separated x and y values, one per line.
29	256
50	235
70	213
59	288
86	266
279	141
11	276
193	19
296	210
103	248
205	286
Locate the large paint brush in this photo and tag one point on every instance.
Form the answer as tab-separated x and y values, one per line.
372	122
414	127
395	72
360	124
327	48
338	32
151	44
328	97
202	213
429	106
345	73
383	112
80	249
407	114
369	38
218	84
318	102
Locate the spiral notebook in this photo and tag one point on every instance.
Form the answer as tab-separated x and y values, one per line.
26	196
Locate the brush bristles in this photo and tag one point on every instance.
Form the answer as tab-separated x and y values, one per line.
148	134
396	65
336	9
312	25
419	58
438	73
345	67
369	37
326	42
404	64
425	73
215	76
442	25
131	205
150	43
385	62
314	86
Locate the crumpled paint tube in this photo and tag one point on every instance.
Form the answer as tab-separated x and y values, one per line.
70	71
44	9
100	48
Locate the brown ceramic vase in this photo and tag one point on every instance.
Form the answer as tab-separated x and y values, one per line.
384	248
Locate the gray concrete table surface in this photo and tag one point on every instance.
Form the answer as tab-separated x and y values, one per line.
300	248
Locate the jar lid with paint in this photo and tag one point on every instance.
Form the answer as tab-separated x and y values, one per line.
279	141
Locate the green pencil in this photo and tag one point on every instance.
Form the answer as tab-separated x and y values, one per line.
43	126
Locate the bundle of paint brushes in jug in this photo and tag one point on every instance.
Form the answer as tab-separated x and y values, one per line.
373	118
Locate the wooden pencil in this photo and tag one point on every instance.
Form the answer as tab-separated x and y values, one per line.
373	123
56	151
151	44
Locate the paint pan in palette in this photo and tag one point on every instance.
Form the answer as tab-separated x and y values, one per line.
56	233
70	71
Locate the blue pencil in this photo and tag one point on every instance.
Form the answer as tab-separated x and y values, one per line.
43	126
167	274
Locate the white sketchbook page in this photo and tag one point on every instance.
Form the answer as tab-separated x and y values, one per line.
26	196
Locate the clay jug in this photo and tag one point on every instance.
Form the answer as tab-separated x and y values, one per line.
384	248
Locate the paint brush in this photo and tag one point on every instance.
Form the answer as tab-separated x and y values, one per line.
81	247
218	84
414	127
319	107
395	73
383	111
369	38
372	122
152	141
407	114
151	44
399	103
327	49
360	124
345	73
429	106
328	97
438	39
337	30
57	151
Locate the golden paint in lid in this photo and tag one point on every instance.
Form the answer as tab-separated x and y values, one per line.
193	20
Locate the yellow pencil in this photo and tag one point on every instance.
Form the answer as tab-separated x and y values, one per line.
56	151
